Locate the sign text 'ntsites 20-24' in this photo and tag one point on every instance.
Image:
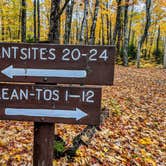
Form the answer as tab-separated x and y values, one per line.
50	63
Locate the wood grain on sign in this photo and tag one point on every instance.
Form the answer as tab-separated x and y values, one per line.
48	103
50	63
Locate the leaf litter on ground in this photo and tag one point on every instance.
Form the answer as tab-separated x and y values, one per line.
134	134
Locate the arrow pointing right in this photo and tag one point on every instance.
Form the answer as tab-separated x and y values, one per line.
76	114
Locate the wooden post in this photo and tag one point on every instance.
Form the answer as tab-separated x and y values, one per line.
43	144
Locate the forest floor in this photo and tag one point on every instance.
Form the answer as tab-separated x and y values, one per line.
134	134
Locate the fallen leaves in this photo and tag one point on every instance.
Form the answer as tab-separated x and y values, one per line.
133	135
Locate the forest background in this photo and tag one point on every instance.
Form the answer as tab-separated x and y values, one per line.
136	27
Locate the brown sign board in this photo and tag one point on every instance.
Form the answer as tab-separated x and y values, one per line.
48	103
50	63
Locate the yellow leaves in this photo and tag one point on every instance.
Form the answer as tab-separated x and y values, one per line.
149	160
3	142
145	141
17	157
105	149
55	163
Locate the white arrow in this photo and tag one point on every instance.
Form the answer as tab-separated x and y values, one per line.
77	114
10	71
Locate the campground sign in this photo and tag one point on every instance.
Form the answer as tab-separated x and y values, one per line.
48	103
32	87
50	63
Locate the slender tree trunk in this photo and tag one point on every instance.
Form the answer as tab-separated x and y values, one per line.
93	27
138	52
157	53
23	21
84	24
118	20
111	40
54	22
102	29
125	35
69	12
147	26
77	28
19	24
108	25
2	25
164	60
38	18
130	23
34	19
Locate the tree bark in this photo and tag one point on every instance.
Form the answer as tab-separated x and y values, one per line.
118	20
157	46
164	60
38	18
93	27
34	19
125	34
147	26
84	25
54	22
69	12
108	25
23	21
130	23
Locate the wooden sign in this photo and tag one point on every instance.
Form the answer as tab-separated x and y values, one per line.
50	63
47	103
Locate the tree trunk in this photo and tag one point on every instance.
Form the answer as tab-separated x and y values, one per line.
23	21
118	20
69	12
38	18
34	19
54	22
19	24
125	35
138	52
93	27
130	23
147	26
84	24
3	28
108	25
102	29
157	46
164	61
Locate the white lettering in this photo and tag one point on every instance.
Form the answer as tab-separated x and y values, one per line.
34	52
42	53
14	95
52	54
15	52
47	94
5	52
24	94
39	93
5	93
56	95
24	55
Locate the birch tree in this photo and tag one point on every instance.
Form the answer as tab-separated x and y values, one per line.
69	12
125	34
164	60
84	24
93	27
145	33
